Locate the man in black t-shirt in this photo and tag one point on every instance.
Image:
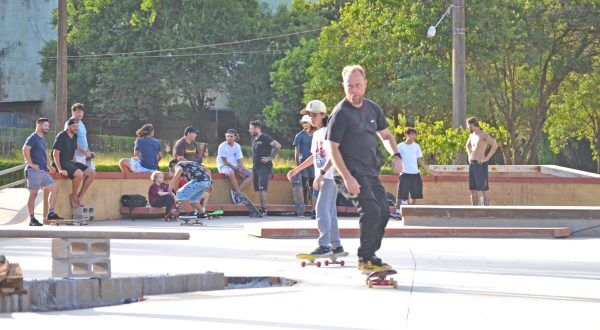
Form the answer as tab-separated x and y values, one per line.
264	149
63	160
355	126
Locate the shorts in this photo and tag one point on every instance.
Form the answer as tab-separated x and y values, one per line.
478	176
192	190
136	166
410	184
86	161
71	168
37	179
228	171
261	178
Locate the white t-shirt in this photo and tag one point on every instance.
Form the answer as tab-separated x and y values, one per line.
410	153
320	150
231	153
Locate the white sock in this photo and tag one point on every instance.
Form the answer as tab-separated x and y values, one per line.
397	211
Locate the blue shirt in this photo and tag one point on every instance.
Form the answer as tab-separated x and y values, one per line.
38	150
81	138
304	141
148	147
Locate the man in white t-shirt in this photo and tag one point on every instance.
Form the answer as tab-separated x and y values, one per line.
229	162
410	184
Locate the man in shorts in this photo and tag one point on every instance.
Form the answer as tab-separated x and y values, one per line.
477	145
264	149
410	183
229	162
198	186
36	171
63	160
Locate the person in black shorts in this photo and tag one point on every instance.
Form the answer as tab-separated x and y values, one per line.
63	160
264	149
477	145
355	126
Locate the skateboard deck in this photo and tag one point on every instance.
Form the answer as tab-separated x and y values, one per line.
331	259
189	221
67	222
298	195
250	206
379	278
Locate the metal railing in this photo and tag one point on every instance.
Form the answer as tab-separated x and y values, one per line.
10	170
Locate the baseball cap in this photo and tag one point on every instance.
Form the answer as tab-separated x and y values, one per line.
305	119
315	106
72	121
190	129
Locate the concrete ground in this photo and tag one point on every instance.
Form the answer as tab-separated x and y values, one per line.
449	283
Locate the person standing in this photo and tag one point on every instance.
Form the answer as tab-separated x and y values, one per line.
36	171
302	145
264	149
83	154
229	162
410	183
477	144
63	160
354	128
326	211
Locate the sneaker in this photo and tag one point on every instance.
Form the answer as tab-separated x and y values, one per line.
396	216
338	250
235	197
202	215
34	222
53	216
321	251
372	264
262	211
187	214
313	215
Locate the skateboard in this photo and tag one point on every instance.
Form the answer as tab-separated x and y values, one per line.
217	214
190	220
251	207
329	260
379	278
298	195
68	222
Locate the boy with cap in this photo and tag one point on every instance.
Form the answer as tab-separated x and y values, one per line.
229	162
301	144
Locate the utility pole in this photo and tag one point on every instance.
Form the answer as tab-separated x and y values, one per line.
61	67
459	80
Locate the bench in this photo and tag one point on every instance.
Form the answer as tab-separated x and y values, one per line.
85	254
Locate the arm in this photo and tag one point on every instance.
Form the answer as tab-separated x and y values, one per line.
297	155
276	146
423	165
306	163
173	185
494	144
319	177
469	149
336	157
159	156
27	155
390	145
56	155
227	163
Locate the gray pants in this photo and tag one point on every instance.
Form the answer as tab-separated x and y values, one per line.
329	233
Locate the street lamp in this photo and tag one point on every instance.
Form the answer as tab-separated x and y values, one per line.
459	80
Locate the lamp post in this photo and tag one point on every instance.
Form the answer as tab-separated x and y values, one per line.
459	80
61	68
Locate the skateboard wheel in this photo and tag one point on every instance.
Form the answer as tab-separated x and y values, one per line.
318	264
303	264
342	263
326	262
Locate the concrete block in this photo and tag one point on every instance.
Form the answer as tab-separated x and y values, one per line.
119	290
86	212
205	282
76	293
167	284
81	268
16	302
64	248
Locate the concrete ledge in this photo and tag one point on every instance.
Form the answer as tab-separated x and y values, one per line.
49	232
412	231
65	294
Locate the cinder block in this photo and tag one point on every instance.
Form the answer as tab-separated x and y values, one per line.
118	290
64	248
205	282
167	284
81	268
76	293
86	212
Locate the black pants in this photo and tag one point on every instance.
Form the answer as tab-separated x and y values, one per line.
165	200
374	213
307	189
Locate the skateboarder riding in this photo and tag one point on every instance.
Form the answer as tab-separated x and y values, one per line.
198	186
355	125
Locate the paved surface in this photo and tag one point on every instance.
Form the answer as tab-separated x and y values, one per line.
447	283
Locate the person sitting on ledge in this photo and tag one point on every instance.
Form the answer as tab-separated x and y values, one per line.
158	192
146	152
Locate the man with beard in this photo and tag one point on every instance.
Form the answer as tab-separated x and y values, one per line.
63	160
356	124
264	149
477	144
36	171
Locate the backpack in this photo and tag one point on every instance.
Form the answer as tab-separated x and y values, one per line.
342	200
133	201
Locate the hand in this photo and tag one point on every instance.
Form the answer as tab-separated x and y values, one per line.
352	185
64	173
34	166
211	189
317	182
167	148
291	174
265	159
396	165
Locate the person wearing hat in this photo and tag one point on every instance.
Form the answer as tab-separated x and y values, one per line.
186	148
320	161
63	155
229	162
83	154
301	144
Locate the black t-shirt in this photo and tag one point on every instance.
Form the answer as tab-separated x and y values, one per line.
355	129
66	146
261	147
